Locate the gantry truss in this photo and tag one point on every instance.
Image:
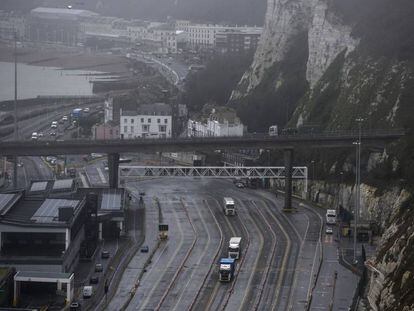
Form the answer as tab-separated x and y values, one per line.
300	172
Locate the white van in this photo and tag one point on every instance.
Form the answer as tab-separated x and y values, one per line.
35	136
87	292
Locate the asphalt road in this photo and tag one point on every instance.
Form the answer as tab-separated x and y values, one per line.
280	252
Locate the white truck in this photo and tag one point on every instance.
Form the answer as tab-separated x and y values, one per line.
87	292
228	206
234	247
331	217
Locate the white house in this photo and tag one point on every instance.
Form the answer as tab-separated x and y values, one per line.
222	123
149	121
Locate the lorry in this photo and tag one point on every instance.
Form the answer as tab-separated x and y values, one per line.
228	206
331	217
76	114
273	130
226	269
87	292
235	247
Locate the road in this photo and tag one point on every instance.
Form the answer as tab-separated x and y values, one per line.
280	252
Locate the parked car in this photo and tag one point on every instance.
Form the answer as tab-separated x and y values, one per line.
105	254
94	279
98	267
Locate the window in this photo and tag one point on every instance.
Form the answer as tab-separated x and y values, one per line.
165	121
125	120
142	120
158	120
132	129
145	128
149	120
125	129
132	120
162	128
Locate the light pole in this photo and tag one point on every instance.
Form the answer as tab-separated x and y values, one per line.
357	185
16	133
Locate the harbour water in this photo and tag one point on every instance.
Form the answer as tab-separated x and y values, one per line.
39	80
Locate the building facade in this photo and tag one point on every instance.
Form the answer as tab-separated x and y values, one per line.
209	35
218	124
107	130
149	121
11	24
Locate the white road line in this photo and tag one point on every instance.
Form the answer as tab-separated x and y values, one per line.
101	175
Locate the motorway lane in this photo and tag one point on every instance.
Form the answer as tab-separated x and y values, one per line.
167	259
291	268
202	257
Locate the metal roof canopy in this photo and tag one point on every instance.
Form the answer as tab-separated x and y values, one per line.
48	212
45	277
8	199
111	201
63	184
38	186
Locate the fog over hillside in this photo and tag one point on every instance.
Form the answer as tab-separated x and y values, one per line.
217	11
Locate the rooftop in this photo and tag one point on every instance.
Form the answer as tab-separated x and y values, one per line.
157	109
35	211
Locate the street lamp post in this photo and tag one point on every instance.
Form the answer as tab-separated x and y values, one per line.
358	185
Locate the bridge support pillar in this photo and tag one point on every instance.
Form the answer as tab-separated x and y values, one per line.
113	165
288	154
15	181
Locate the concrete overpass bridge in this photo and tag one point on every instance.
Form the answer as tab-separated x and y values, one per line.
287	143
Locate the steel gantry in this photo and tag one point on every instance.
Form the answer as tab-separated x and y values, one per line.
262	172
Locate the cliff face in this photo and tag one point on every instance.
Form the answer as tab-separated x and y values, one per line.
327	62
347	67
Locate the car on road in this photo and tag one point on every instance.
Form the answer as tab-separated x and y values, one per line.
40	134
145	249
54	125
75	306
20	164
328	230
105	254
240	185
35	136
86	110
65	118
52	133
98	267
94	279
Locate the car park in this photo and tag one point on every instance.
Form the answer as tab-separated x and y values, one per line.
105	254
98	267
